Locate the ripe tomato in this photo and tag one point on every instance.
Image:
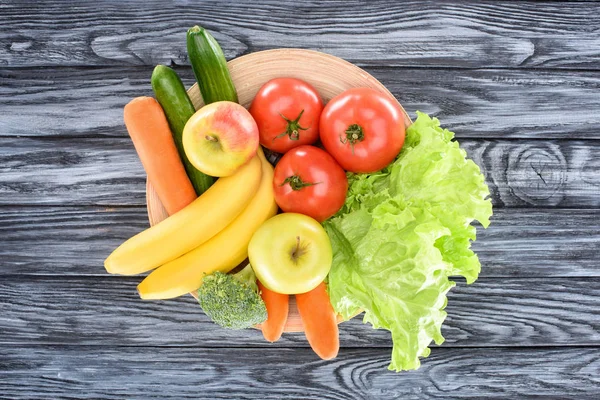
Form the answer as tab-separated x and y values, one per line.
363	129
287	112
309	181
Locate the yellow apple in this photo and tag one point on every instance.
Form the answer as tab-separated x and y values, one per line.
290	253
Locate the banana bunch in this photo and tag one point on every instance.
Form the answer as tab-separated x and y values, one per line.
211	234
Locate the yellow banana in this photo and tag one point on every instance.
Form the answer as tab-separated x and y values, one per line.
187	229
221	253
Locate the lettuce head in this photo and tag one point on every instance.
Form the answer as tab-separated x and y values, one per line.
402	233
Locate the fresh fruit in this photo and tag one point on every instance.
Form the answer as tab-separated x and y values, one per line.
151	136
221	253
178	108
290	253
220	137
210	67
319	321
232	300
206	216
310	182
363	129
278	306
287	113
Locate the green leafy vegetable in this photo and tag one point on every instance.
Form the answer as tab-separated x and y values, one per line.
402	232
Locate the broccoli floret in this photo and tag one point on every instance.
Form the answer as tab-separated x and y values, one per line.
232	301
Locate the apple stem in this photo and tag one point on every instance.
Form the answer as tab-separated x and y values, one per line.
297	250
211	138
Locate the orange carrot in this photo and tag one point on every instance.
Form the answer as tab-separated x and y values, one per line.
320	322
277	313
149	130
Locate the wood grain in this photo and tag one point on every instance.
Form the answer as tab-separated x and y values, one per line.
107	311
520	173
540	243
70	101
492	103
70	172
517	81
412	33
487	103
520	242
166	373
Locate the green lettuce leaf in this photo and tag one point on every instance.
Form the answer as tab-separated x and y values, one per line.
400	236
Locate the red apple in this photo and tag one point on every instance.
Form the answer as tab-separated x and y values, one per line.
220	137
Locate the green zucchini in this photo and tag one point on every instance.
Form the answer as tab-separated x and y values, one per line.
210	67
178	108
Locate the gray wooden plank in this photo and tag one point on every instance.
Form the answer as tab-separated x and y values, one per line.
474	103
70	172
68	240
235	373
107	311
540	243
412	33
502	103
520	242
81	171
70	101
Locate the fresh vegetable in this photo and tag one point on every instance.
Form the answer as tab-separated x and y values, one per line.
402	233
220	138
290	253
208	215
210	67
287	113
221	253
278	306
232	300
319	321
178	108
363	129
151	136
309	181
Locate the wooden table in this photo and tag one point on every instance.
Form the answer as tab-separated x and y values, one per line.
519	83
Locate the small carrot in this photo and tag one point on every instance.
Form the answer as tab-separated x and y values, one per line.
320	322
151	136
277	313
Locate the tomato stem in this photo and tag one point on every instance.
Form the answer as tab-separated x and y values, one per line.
296	183
354	133
293	127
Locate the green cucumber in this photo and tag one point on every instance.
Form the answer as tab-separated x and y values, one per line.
210	67
178	108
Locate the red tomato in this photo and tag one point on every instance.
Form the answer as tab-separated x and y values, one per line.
287	112
363	129
309	181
